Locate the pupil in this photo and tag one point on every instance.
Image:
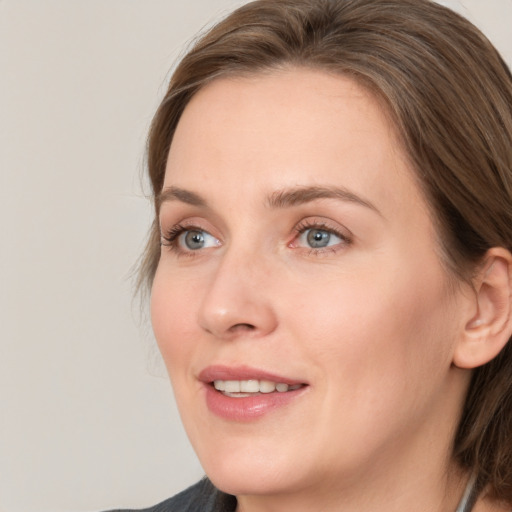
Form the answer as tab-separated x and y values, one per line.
318	238
194	239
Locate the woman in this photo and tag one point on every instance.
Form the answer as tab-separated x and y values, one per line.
330	264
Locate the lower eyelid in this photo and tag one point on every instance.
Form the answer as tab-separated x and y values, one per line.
206	235
174	240
314	224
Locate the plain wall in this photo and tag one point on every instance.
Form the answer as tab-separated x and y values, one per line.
87	420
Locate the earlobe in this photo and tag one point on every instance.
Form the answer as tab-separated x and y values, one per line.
490	327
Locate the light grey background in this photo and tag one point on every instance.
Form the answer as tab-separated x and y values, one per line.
87	420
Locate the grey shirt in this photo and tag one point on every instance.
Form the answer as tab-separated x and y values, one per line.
201	497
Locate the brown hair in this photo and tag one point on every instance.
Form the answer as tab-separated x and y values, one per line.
450	95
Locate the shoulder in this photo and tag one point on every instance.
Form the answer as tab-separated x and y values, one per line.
201	497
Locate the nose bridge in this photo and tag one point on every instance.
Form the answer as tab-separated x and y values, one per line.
237	301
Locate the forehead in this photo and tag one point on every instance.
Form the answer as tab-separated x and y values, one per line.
288	127
298	102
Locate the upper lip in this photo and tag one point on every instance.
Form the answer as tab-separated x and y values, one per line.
221	372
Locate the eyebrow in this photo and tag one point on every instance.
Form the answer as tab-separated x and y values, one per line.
180	194
302	195
279	199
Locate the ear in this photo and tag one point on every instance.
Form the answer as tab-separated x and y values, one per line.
489	327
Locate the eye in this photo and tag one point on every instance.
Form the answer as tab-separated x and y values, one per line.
188	239
318	235
195	239
318	238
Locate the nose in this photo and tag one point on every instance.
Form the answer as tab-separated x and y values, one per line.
237	302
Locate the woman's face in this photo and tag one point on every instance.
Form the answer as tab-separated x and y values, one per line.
297	251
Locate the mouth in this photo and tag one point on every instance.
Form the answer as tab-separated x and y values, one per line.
244	394
252	387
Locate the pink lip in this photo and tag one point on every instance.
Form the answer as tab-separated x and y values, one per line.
245	408
220	372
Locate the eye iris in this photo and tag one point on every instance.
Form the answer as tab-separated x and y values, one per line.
318	238
194	239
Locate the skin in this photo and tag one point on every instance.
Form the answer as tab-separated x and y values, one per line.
370	322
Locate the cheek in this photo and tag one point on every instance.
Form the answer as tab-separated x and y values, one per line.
386	326
171	309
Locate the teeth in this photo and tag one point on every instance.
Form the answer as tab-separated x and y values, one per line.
232	386
249	386
219	385
267	387
252	386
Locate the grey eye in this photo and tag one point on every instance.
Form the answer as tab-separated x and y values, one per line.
318	238
196	239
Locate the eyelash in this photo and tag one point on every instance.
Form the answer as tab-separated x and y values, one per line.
172	234
170	238
308	224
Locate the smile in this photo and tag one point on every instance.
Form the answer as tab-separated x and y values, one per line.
244	388
244	393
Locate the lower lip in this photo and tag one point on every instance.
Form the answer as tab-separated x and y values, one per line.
249	407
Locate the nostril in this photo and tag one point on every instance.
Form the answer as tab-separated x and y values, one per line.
242	327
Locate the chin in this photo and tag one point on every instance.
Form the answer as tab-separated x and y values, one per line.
250	467
247	479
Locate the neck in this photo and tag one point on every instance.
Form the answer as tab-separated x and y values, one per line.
418	491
